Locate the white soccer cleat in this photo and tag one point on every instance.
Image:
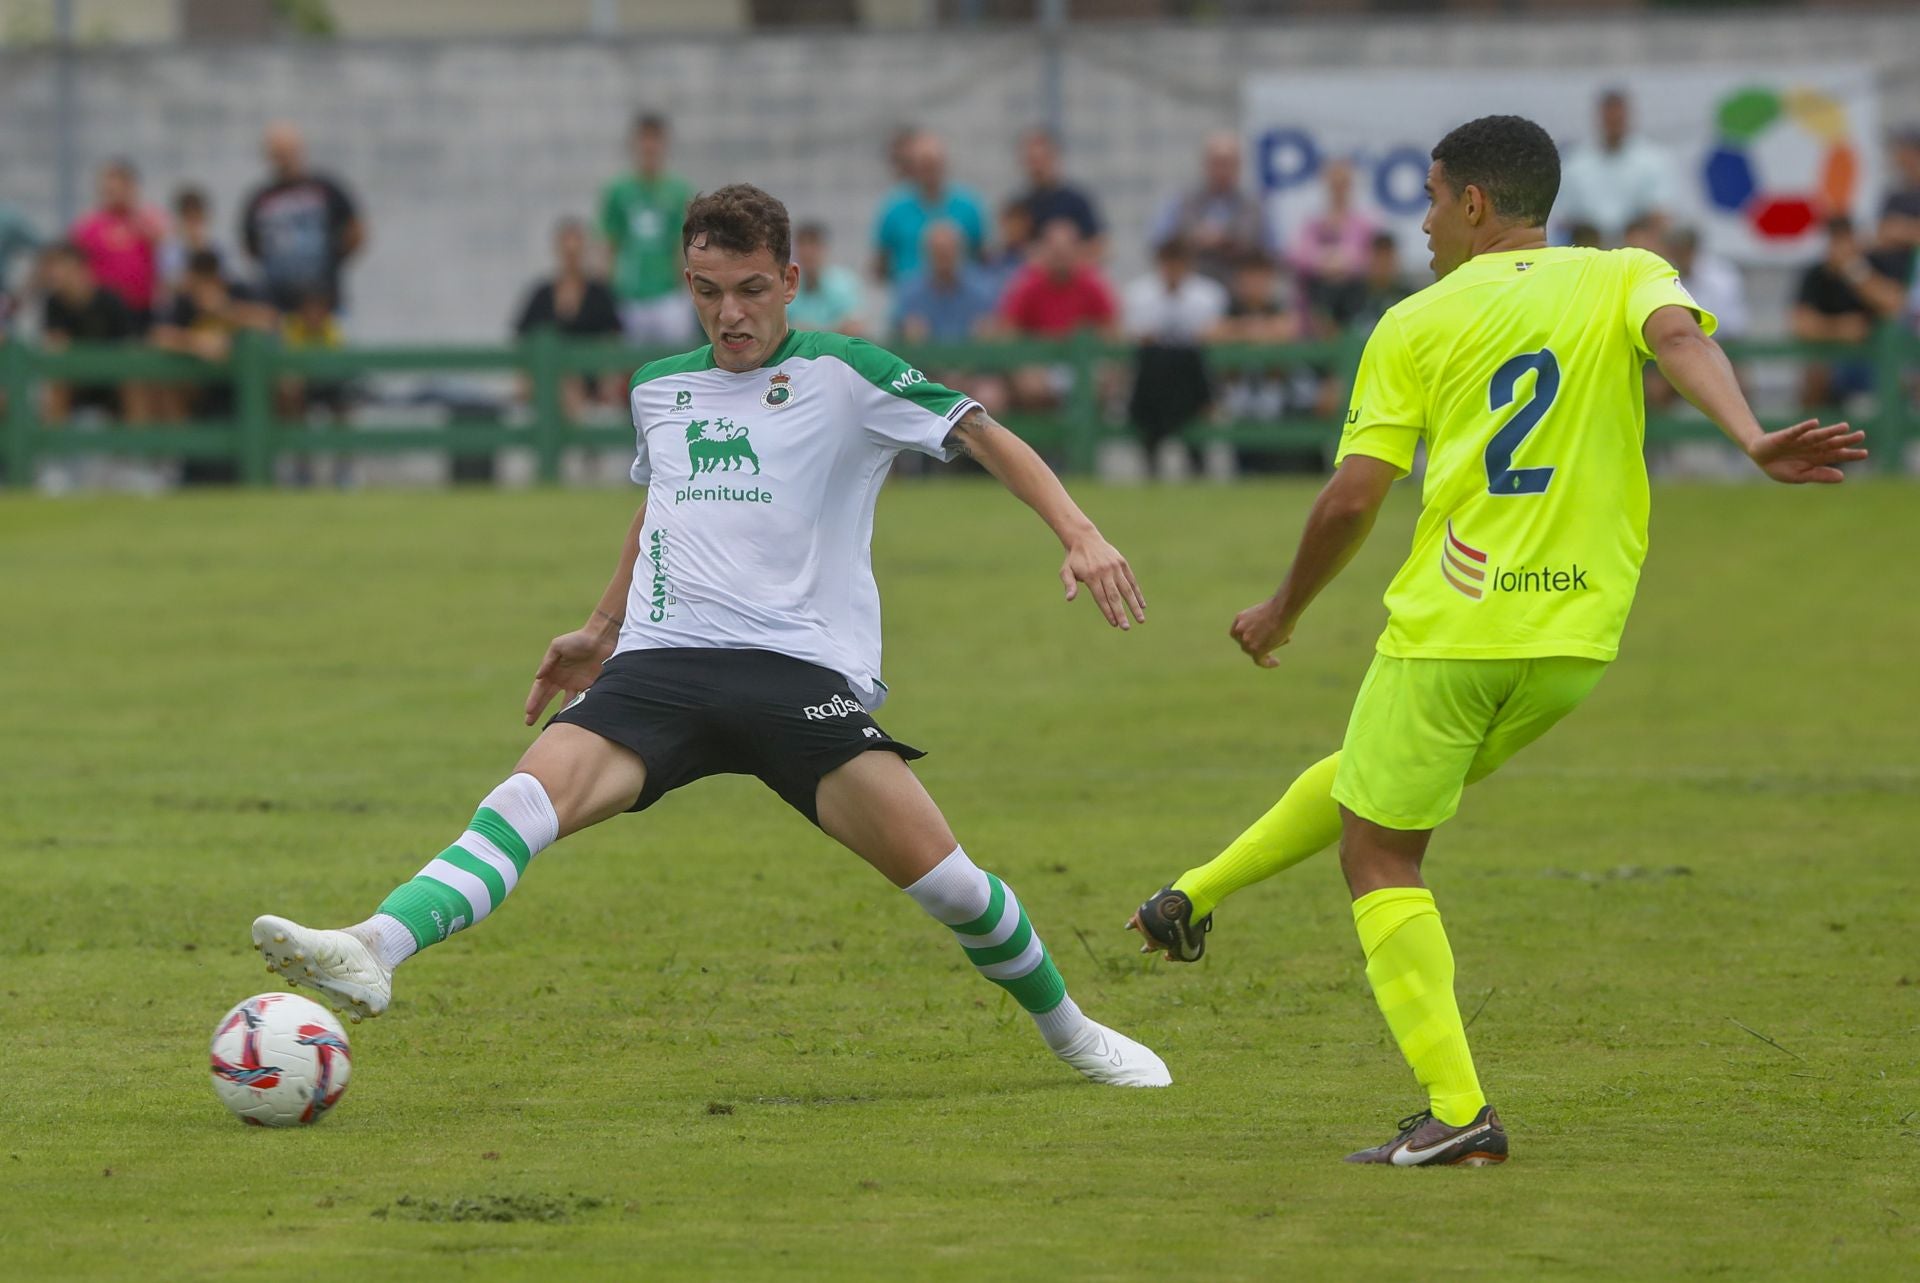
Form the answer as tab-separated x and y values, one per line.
1115	1059
337	963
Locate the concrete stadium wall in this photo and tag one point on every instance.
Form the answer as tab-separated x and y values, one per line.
463	153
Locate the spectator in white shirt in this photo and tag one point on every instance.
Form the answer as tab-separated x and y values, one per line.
1617	179
1173	304
1715	283
1169	311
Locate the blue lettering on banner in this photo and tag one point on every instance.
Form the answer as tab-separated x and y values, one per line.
1288	158
1400	181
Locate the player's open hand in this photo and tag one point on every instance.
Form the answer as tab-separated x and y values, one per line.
572	663
1098	564
1260	630
1807	452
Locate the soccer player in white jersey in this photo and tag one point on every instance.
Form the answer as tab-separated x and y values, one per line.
741	634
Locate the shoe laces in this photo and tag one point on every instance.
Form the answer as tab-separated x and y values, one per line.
1411	1123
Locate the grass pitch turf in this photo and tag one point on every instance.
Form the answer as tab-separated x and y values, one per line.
704	1043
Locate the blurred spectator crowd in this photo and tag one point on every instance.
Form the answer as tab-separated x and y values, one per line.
943	267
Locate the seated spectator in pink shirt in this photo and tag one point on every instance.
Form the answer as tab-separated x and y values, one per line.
1329	251
121	241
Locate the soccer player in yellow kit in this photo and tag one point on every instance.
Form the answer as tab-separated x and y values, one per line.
1521	369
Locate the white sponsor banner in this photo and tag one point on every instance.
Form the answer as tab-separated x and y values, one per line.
1760	156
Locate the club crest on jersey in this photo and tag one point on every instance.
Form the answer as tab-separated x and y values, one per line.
779	393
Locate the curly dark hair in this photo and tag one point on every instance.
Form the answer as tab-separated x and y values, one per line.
739	218
1509	158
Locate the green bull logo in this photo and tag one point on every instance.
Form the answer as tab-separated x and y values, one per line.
719	446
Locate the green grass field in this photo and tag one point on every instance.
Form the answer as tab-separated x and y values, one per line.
704	1043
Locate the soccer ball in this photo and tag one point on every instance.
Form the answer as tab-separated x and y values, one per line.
279	1061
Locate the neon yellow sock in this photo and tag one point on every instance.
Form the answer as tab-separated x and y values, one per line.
1411	970
1305	821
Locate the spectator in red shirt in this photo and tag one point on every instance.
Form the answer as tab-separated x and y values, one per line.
1056	294
1058	291
121	241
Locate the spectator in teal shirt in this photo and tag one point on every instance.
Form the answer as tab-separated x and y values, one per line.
829	295
928	198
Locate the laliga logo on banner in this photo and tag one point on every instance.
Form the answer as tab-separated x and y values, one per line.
1286	158
1743	121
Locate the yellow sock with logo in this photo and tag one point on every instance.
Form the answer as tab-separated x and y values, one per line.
1411	970
1305	821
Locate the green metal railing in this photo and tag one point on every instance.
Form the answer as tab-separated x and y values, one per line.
254	436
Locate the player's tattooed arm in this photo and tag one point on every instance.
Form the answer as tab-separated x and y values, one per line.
1090	560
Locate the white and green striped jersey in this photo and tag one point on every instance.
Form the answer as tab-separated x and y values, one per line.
760	496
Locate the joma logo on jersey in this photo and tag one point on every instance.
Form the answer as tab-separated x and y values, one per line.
1468	570
908	379
838	706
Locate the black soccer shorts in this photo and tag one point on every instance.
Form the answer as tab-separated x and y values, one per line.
693	713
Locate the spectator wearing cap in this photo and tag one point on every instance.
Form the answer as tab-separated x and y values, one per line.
1615	178
121	240
928	197
1218	219
1049	196
828	297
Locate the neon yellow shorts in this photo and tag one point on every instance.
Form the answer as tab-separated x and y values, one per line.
1423	729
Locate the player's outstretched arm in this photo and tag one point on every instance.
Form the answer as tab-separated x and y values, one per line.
1700	371
1339	523
573	659
1090	560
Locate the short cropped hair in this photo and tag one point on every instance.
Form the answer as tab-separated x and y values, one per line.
650	122
1509	158
739	218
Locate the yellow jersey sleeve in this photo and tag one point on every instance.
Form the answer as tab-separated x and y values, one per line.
1652	284
1388	414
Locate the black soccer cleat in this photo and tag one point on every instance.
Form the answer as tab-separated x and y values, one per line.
1425	1141
1166	920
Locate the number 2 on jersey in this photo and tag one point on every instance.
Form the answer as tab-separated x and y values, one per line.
1502	476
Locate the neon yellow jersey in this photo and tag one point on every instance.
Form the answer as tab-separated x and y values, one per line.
1522	371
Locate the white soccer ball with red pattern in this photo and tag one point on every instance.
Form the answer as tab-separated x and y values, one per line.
280	1060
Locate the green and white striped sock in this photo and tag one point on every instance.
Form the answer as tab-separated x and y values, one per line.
986	917
465	882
